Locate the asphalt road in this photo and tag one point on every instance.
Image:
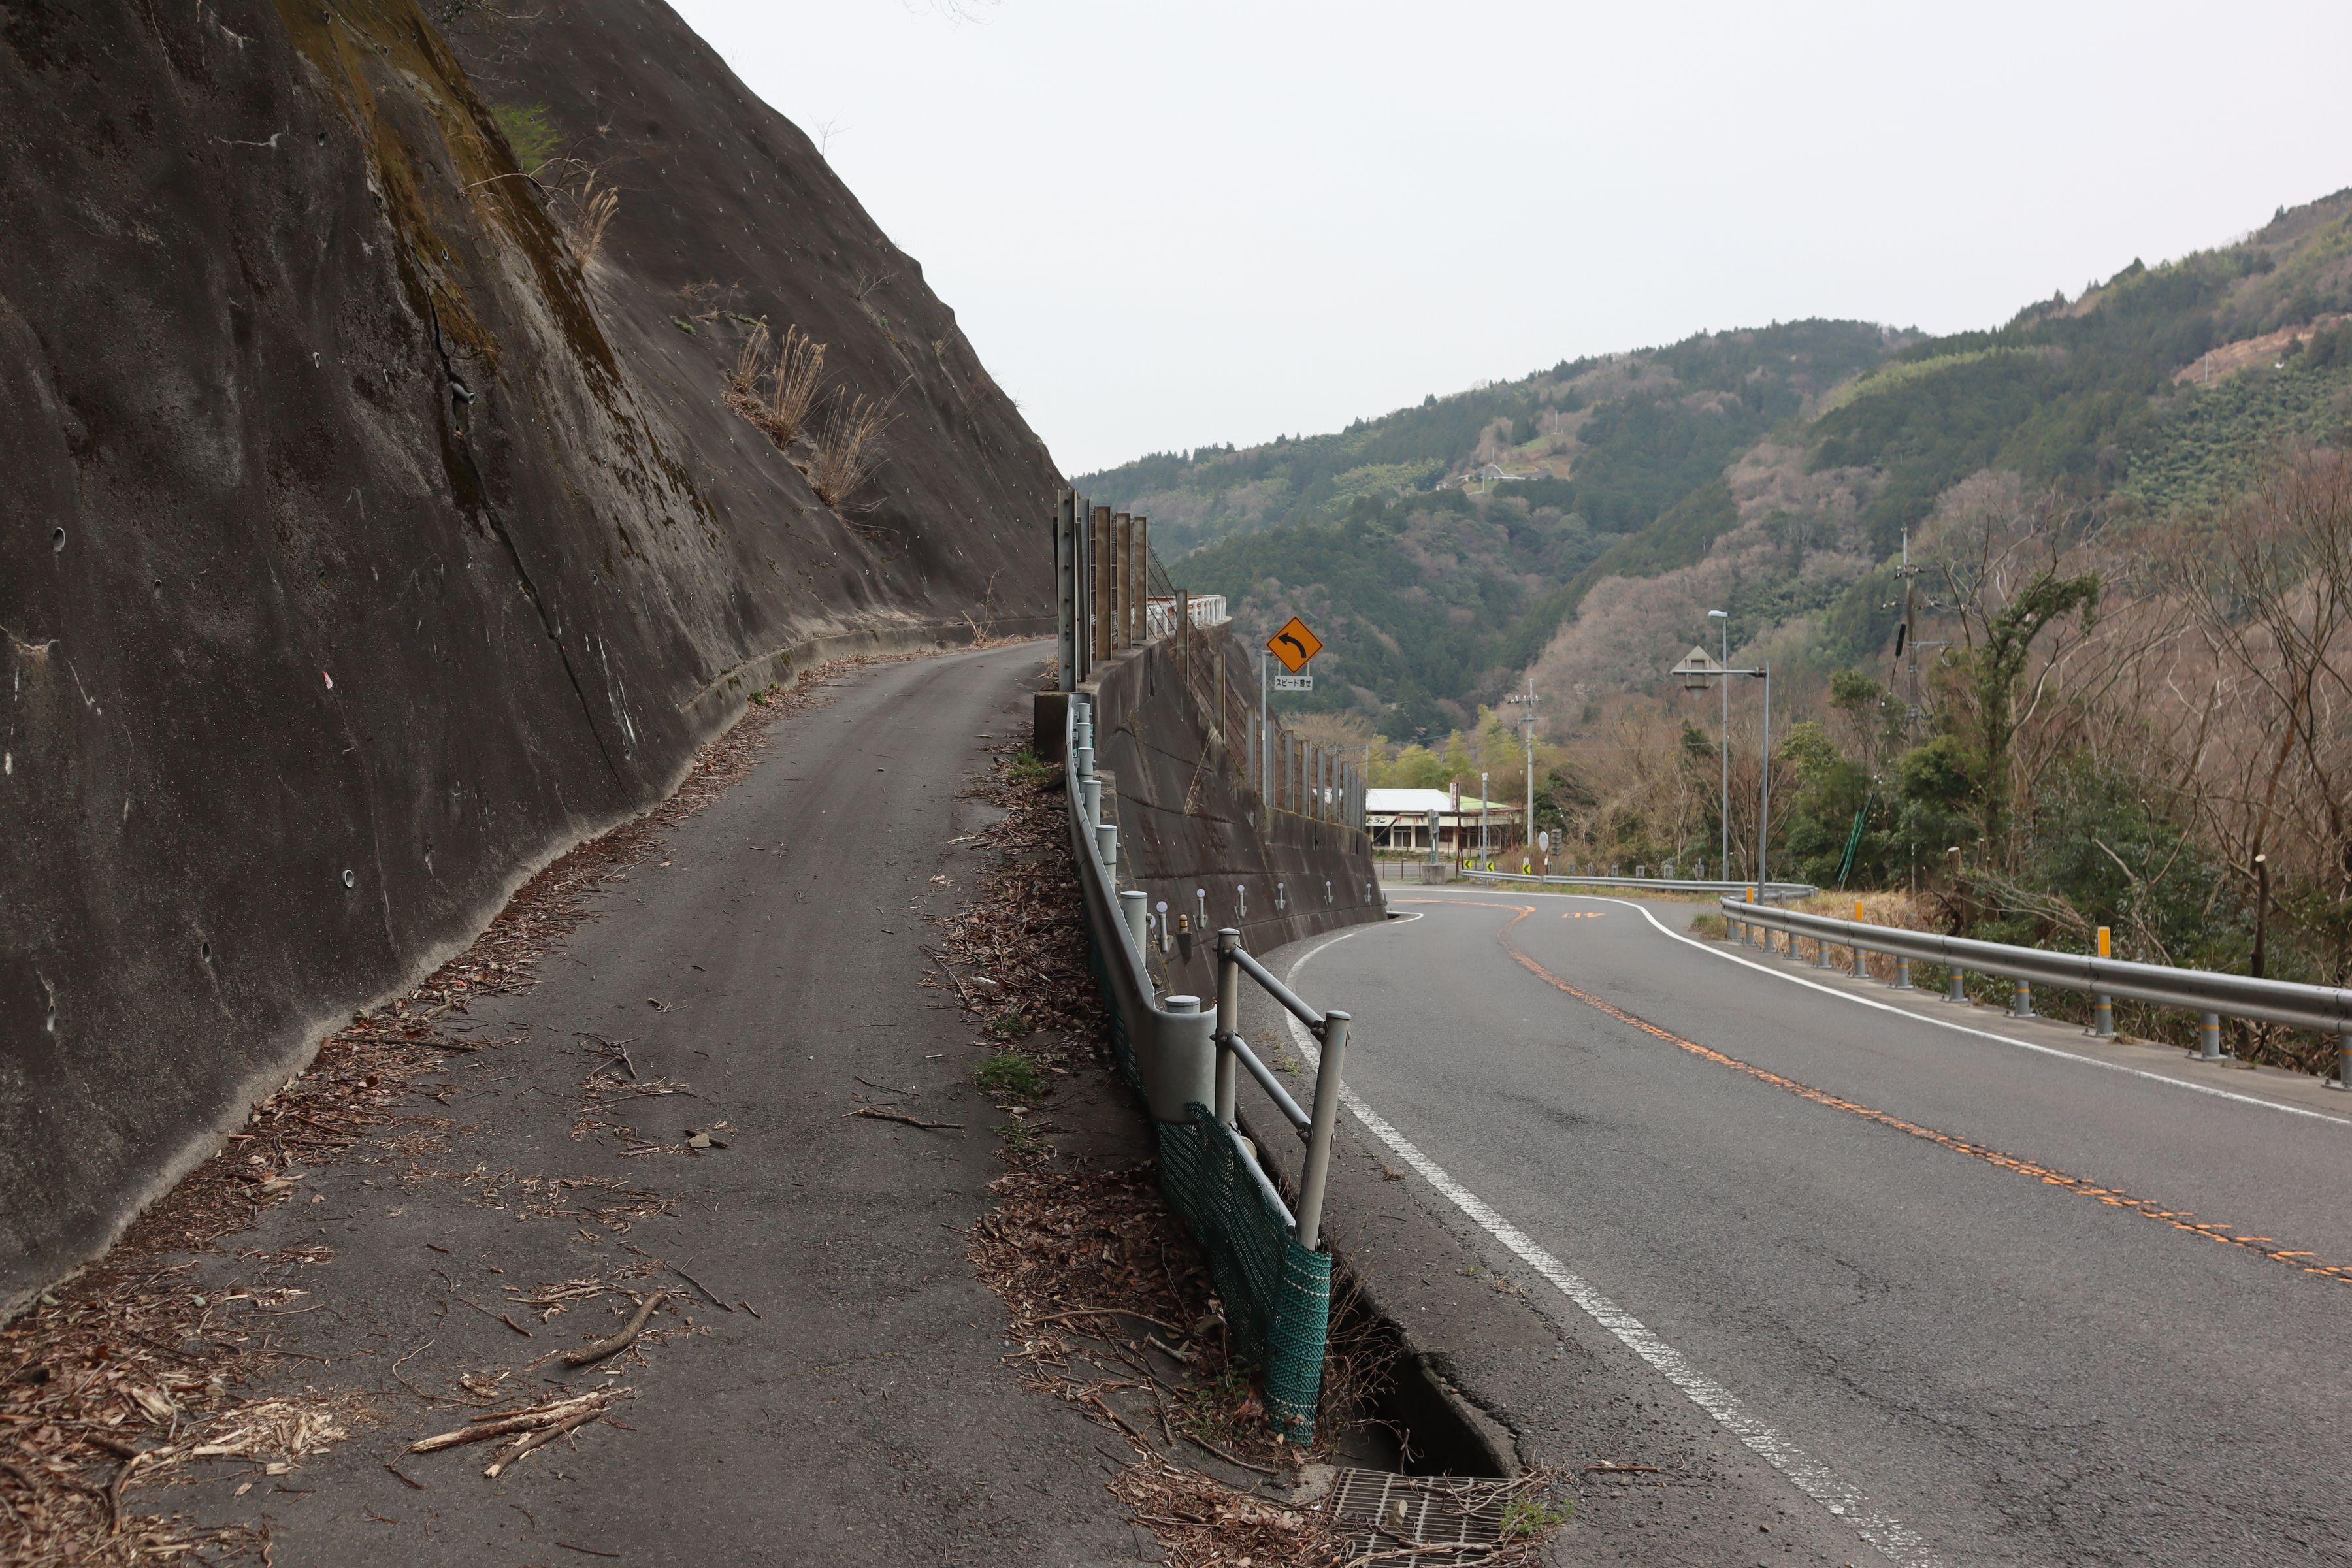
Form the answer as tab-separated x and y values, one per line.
854	1407
1974	1302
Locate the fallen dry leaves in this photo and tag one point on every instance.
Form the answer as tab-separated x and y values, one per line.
1110	1301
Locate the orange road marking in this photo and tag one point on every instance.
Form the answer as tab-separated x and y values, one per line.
2179	1219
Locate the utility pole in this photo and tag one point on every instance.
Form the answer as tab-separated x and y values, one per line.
1725	617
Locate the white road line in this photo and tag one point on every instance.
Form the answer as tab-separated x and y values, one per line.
1780	974
1815	1480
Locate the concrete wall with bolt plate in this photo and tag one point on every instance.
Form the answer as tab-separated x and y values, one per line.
1189	825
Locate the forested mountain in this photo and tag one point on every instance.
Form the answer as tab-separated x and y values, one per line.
1773	471
1438	582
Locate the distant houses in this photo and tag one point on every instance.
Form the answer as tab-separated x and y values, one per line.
1399	819
1481	479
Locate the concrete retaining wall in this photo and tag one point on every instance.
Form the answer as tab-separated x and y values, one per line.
1188	824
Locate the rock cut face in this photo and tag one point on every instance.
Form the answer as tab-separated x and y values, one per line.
361	548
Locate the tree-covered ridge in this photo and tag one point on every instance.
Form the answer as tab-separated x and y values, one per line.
1771	473
1633	433
1417	598
2082	395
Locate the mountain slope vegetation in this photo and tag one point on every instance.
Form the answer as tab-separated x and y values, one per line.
1438	582
1445	550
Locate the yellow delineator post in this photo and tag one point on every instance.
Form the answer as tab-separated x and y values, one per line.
2103	1006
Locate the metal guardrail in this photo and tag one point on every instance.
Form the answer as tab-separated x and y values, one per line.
1184	1056
1269	1265
1205	609
1782	890
2210	995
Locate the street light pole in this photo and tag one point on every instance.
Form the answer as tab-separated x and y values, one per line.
1724	617
1527	825
1486	845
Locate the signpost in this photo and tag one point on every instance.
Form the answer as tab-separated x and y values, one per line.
1294	645
1697	669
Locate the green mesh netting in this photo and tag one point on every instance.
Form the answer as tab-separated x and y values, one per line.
1277	1294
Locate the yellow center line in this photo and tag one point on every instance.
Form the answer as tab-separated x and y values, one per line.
2179	1219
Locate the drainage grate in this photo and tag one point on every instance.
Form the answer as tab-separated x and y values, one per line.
1429	1521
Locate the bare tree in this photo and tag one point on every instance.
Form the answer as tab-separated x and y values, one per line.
2271	592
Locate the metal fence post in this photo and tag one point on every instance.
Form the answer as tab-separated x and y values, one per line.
1317	1173
1903	974
2209	1038
1820	953
1131	902
2343	1061
1957	989
1090	798
2020	999
1229	1020
1107	843
1861	962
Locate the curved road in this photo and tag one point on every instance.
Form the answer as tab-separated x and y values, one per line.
1983	1303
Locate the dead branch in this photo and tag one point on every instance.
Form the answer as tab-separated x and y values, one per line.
590	1355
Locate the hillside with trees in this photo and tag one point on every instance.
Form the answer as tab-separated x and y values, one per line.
1438	582
2112	687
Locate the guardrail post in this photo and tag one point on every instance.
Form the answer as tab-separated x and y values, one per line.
1903	974
1132	903
2343	1061
1957	986
2209	1038
1090	798
1317	1173
1229	1020
2020	999
1820	953
1107	845
1861	962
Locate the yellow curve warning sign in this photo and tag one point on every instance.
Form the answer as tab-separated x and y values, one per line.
1294	645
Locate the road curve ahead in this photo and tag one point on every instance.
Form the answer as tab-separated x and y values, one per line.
1985	1304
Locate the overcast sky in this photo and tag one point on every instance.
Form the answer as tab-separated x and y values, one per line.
1221	220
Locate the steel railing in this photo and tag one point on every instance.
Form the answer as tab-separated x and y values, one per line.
2211	996
1184	1056
1206	610
1782	890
